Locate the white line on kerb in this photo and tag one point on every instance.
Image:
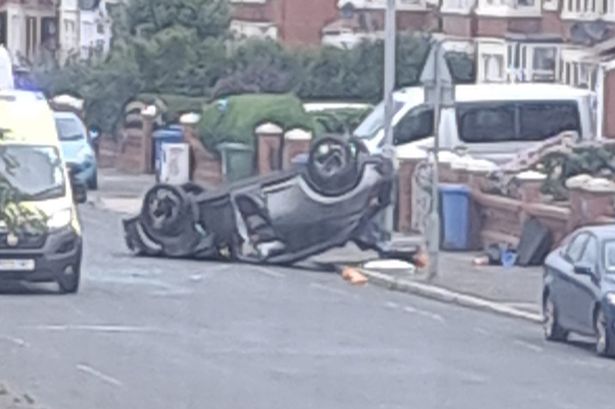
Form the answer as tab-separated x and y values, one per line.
17	341
269	272
98	328
97	374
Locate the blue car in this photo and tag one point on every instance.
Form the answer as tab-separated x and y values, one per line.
579	288
77	148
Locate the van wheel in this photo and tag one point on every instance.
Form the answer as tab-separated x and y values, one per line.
69	283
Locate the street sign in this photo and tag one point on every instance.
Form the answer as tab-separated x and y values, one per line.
436	69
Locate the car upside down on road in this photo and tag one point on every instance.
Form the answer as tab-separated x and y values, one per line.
280	218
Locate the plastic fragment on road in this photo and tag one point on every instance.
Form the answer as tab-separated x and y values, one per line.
390	265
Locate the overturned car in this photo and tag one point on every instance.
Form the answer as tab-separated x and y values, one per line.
281	218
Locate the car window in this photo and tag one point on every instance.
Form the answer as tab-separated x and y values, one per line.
415	125
590	252
70	129
542	120
609	256
576	247
486	122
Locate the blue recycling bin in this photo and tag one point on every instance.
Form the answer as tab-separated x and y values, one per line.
170	134
455	202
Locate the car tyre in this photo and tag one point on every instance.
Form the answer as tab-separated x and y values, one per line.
551	326
605	345
69	283
93	182
332	167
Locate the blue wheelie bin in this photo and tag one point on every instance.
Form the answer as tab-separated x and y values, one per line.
455	208
170	134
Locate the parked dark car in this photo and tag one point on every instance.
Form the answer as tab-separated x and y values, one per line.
579	288
280	218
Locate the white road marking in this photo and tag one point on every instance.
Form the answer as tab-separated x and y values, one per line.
269	272
392	305
423	313
97	374
327	289
13	340
528	345
97	328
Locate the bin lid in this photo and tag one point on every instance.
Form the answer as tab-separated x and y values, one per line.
233	146
168	133
454	188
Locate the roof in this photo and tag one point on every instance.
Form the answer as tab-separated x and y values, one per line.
603	232
506	92
27	117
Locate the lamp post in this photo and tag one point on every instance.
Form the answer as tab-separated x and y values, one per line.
439	93
389	87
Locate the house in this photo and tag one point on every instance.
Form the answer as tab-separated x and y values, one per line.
95	26
292	22
29	29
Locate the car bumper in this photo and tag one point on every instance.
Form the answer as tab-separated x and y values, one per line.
62	250
83	171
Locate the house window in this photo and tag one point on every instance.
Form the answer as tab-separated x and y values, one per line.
509	7
544	63
31	36
585	8
458	5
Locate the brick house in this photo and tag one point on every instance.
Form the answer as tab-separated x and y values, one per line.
28	28
293	22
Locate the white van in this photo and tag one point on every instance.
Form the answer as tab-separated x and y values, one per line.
492	121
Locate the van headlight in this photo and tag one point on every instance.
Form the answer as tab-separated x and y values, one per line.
60	219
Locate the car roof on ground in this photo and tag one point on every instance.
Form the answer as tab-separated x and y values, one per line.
65	115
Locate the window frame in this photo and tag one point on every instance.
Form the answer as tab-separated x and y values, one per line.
565	253
596	243
412	112
517	113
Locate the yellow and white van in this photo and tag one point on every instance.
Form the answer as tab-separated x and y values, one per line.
42	239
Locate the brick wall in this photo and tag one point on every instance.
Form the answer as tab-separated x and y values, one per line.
457	25
499	26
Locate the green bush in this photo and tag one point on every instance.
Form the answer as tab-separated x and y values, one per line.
174	105
339	121
243	113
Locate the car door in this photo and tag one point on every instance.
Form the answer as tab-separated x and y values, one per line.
585	289
563	285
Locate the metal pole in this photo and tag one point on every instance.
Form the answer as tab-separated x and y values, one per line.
434	218
389	88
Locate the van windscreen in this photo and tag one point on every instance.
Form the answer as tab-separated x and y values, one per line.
516	121
34	172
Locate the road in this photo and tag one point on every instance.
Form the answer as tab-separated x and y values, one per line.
149	334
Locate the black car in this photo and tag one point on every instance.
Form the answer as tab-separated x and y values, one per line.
280	219
579	288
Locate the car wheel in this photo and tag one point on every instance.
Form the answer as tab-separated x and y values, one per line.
604	341
169	218
332	168
93	182
552	329
69	283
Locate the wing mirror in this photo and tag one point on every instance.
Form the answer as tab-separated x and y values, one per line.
79	188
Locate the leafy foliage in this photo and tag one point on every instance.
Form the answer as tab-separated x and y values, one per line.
234	119
340	121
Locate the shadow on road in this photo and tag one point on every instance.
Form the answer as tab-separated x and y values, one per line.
20	288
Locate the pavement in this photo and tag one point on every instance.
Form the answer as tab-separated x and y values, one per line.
156	333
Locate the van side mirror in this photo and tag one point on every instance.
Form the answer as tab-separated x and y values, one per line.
584	269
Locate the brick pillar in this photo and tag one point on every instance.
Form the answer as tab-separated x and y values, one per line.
589	202
269	137
148	115
296	141
530	184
